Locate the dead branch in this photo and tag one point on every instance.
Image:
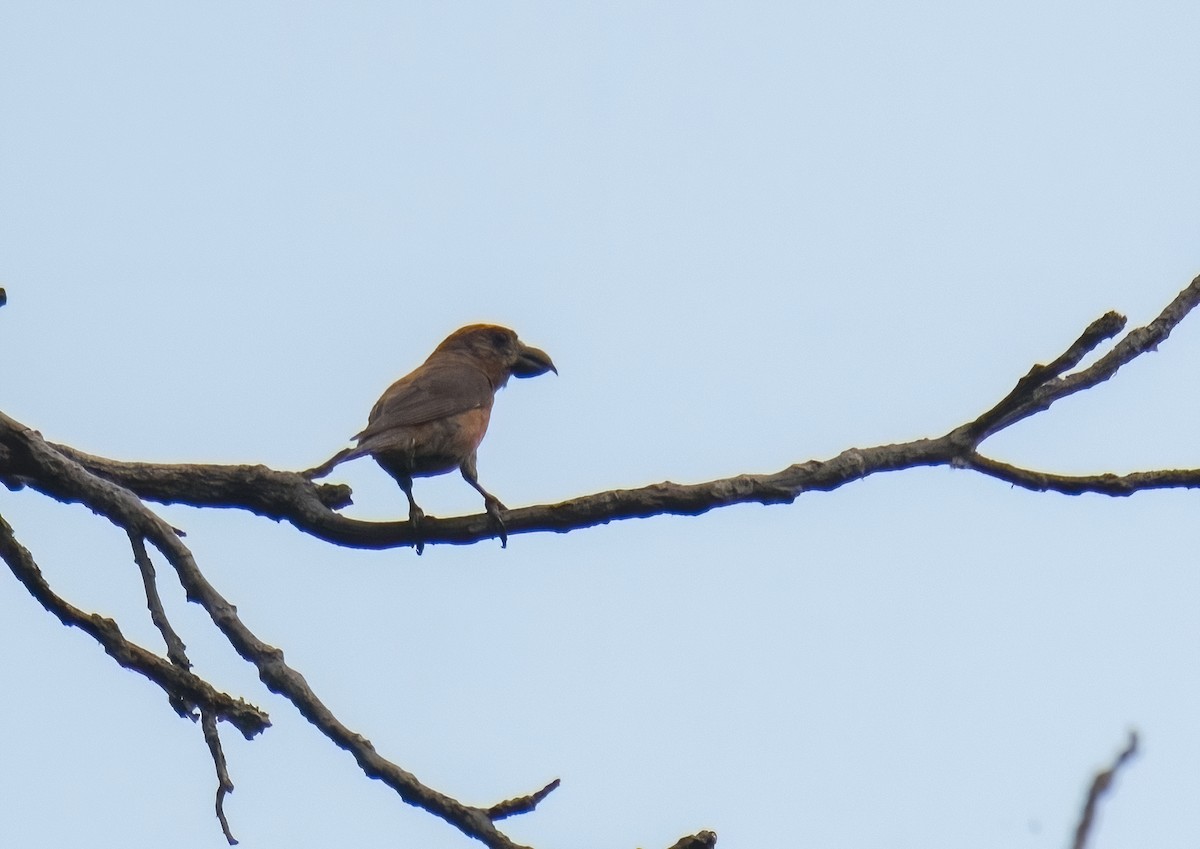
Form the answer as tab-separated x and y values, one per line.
520	804
63	478
1101	786
176	650
208	723
118	491
177	682
311	507
177	654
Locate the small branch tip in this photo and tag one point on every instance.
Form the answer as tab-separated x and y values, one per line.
520	804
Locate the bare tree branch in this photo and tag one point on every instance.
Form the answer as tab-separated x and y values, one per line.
1101	786
117	490
258	489
288	495
1040	394
310	507
176	650
1103	484
520	804
208	723
1105	327
171	678
63	478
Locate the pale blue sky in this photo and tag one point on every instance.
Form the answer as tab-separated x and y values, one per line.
749	235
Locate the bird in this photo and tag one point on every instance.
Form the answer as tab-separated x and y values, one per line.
431	421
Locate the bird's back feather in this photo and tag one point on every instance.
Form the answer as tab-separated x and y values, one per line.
444	386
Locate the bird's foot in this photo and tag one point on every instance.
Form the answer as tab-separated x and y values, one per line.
493	507
416	516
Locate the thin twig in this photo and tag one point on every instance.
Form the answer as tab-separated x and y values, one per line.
520	804
208	723
176	650
1105	327
1103	484
1101	786
1135	343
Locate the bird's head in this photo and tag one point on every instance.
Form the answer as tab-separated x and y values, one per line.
498	351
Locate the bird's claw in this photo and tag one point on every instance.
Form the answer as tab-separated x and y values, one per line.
494	506
416	516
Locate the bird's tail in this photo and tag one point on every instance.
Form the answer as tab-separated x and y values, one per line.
327	467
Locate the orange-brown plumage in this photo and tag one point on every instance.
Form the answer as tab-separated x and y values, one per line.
432	420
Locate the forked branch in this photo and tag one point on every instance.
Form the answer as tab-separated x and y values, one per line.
119	491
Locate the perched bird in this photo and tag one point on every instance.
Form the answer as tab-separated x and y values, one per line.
432	420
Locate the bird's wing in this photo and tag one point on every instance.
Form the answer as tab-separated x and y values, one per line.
433	391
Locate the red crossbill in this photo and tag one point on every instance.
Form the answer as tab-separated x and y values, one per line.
432	420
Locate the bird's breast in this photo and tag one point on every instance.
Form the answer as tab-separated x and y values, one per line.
432	448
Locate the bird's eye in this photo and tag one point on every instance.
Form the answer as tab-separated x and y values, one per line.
499	339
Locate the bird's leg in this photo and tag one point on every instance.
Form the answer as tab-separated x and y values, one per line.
415	513
491	503
416	516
